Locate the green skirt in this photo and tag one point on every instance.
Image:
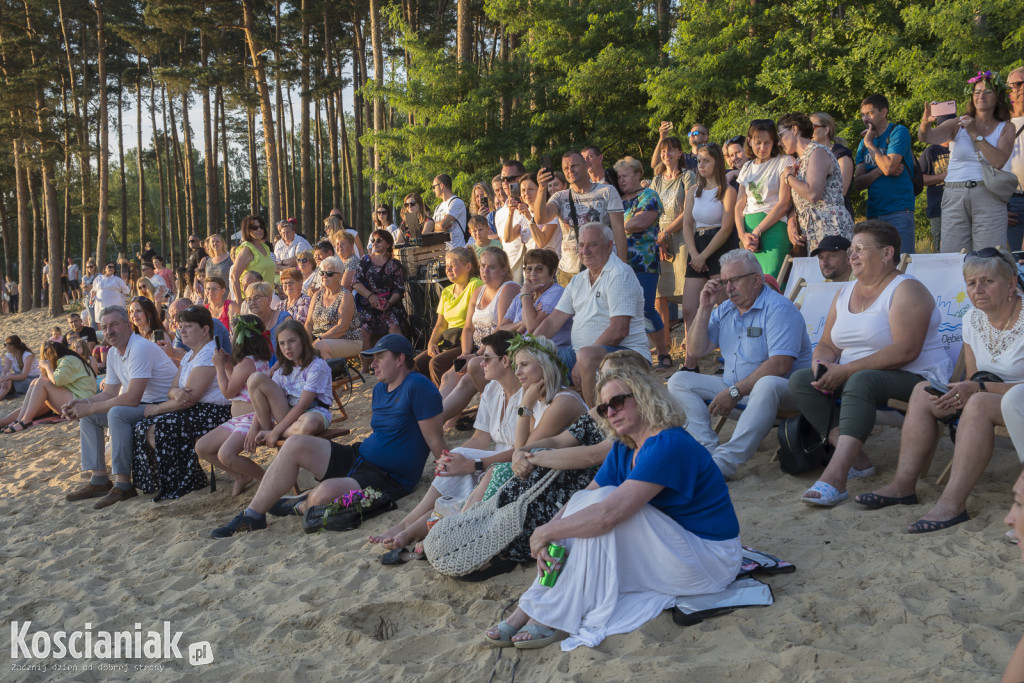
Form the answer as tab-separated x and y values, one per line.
775	245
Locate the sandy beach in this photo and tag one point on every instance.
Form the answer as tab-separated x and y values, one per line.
867	602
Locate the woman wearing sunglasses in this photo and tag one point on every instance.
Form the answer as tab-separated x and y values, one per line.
331	321
655	523
993	335
305	261
382	221
253	254
259	296
380	284
415	215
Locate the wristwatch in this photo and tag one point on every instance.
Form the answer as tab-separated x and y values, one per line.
479	465
734	391
981	386
979	138
525	412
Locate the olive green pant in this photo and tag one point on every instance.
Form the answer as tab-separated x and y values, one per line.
861	395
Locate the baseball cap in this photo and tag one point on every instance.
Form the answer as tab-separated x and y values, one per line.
832	243
394	343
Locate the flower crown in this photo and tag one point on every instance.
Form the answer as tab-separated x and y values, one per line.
996	81
528	341
243	329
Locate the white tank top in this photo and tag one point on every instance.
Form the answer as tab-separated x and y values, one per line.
858	335
707	210
485	320
963	160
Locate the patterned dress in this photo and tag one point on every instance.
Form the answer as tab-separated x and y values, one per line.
547	505
173	468
386	280
827	216
642	247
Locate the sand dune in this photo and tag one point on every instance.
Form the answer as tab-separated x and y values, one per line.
867	603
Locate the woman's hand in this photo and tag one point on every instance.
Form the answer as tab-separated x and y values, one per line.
249	444
539	541
268	437
521	465
698	263
532	394
956	398
926	115
453	465
750	241
834	377
149	410
664	130
220	357
433	349
795	236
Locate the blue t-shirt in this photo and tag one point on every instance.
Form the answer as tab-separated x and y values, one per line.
695	493
548	300
397	444
772	327
934	161
888	194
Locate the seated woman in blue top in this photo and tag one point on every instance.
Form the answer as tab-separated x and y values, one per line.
655	523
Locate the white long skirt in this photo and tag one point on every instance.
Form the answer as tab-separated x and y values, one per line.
617	582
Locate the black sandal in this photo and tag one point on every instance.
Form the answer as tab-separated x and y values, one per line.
11	429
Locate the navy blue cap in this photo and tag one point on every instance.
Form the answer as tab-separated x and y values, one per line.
395	343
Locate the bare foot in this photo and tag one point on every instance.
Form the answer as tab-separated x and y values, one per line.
241	483
387	535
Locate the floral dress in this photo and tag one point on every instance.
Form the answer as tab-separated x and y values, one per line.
827	216
642	247
300	309
386	280
547	505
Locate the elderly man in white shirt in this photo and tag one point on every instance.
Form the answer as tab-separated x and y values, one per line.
138	372
606	304
289	246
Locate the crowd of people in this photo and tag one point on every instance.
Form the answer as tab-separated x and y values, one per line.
558	292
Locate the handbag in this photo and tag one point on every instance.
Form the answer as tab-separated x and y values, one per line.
451	337
801	447
461	544
997	181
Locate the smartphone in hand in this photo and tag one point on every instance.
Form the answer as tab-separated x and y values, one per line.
947	108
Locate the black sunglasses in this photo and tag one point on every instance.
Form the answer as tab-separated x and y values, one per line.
329	273
615	403
735	140
410	203
989	252
510	179
302	260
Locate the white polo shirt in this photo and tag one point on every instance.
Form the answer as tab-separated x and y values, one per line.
284	251
142	360
615	292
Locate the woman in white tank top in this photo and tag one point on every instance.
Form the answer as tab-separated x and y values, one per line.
880	340
972	217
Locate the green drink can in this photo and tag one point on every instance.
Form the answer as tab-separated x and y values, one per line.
550	576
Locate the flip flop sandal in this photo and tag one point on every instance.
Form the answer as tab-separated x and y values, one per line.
757	562
505	633
400	556
830	495
877	501
540	636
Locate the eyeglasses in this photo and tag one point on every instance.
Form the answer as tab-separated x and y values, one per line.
192	241
285	283
509	179
695	133
614	403
735	280
378	240
859	249
989	252
329	273
436	185
302	260
487	359
383	211
410	203
256	227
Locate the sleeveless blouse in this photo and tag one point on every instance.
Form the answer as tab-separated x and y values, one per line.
858	335
828	215
485	320
261	263
221	270
262	367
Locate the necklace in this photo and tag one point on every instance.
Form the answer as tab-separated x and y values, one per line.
865	302
997	340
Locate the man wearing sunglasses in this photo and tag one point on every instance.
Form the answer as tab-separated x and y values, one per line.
697	136
763	338
1015	164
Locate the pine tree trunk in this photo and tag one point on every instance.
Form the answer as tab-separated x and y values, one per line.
138	151
210	151
346	160
267	115
190	180
379	187
5	228
120	156
225	151
162	210
356	217
462	33
25	280
103	223
38	237
254	169
66	249
318	181
332	120
305	180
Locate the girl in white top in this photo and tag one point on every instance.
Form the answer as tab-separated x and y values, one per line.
972	217
707	229
19	367
763	201
108	290
250	355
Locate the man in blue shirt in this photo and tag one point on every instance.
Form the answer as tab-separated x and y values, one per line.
884	167
763	338
406	427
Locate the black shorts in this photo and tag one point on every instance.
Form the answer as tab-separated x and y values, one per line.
702	242
73	285
345	456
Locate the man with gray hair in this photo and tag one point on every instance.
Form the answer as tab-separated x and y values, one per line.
606	304
1015	164
138	373
763	338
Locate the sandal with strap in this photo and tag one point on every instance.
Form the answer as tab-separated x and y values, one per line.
505	633
540	636
11	429
664	362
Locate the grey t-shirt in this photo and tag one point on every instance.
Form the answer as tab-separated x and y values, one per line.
591	207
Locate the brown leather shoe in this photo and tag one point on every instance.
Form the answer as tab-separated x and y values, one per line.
115	495
90	491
